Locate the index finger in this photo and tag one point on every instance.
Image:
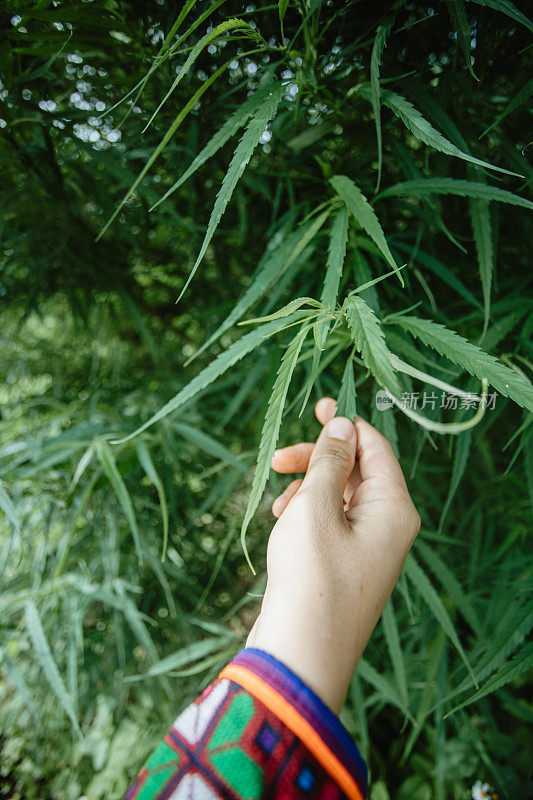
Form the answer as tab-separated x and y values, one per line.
375	454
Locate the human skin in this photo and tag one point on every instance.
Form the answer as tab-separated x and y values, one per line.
335	553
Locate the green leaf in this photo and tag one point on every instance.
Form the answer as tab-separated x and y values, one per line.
8	507
481	227
381	685
145	460
346	401
449	582
163	143
462	451
392	637
521	97
210	36
239	118
423	130
48	665
368	337
380	40
109	465
209	445
240	159
270	431
338	239
519	664
507	8
460	21
273	265
286	310
185	655
365	216
426	590
282	9
457	187
471	357
214	370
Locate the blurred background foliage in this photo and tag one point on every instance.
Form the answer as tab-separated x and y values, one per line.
124	586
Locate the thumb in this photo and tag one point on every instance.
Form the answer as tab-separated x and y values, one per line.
333	459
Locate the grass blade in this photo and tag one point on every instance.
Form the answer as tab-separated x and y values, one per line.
392	637
109	466
145	460
49	667
462	451
428	593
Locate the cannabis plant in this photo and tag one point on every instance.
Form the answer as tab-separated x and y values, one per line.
216	213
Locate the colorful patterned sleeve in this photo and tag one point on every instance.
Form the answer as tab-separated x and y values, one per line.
257	732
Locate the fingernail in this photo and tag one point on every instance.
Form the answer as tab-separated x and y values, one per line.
340	428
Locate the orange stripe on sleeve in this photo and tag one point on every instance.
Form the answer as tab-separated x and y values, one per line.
297	724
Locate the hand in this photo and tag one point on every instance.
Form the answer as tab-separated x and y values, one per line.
335	553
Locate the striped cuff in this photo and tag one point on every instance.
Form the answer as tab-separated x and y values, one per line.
304	713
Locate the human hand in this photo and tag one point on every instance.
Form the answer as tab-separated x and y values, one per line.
335	553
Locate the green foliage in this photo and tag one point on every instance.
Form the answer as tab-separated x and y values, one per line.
129	426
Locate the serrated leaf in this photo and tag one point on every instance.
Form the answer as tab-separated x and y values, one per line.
214	370
462	451
270	431
239	118
363	212
272	266
507	8
286	310
456	187
471	357
109	466
519	664
48	664
171	130
369	339
241	157
210	36
375	59
346	401
338	239
423	130
428	593
392	637
481	228
145	460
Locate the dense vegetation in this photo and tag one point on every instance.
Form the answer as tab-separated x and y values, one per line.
265	153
